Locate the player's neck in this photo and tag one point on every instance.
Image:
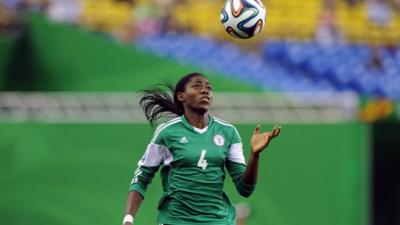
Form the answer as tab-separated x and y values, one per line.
197	120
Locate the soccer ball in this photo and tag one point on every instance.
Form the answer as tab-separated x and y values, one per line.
243	18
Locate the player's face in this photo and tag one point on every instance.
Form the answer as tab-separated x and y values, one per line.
197	95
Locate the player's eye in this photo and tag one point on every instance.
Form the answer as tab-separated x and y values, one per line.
209	88
196	86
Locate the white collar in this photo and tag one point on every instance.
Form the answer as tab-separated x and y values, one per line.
198	130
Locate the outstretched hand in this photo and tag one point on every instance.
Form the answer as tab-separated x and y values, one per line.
259	141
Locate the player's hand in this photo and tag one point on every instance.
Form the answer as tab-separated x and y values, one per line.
259	141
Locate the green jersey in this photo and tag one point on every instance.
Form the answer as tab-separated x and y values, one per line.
193	163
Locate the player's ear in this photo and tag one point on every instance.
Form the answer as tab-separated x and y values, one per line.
180	96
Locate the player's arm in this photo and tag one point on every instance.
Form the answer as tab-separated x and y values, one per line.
236	171
138	187
259	141
132	205
236	165
155	154
245	177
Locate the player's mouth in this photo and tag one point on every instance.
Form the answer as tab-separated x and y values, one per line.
205	99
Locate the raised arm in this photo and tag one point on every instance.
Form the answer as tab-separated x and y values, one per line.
259	141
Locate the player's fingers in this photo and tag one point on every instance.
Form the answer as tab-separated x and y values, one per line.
257	130
276	131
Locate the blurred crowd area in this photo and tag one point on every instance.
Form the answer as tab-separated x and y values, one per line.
326	21
336	45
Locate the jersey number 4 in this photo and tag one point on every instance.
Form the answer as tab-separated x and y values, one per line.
202	162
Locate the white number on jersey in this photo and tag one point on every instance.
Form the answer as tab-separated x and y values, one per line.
202	162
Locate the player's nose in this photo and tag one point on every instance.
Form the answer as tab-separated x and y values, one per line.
205	91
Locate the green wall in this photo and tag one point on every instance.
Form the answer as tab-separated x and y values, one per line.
7	48
59	174
58	57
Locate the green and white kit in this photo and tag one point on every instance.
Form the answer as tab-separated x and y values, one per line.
193	163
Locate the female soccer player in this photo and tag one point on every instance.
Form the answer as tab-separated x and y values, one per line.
193	151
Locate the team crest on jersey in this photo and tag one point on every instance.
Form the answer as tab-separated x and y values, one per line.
219	140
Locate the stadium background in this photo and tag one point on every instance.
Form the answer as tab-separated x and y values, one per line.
71	131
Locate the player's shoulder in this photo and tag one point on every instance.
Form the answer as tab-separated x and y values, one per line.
229	129
223	123
166	127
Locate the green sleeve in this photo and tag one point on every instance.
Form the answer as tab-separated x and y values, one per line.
234	136
236	171
143	177
149	164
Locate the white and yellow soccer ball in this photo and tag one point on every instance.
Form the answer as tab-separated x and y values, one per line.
243	18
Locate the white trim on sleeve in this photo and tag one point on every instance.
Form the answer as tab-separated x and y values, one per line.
235	153
155	155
